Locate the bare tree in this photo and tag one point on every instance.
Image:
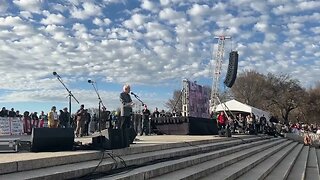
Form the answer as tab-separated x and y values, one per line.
250	88
175	103
280	94
310	111
284	95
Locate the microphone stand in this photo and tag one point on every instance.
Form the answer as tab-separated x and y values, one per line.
70	94
137	97
100	103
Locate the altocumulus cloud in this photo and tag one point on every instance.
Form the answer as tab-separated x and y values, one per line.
148	44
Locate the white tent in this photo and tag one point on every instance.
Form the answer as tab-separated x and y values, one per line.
234	105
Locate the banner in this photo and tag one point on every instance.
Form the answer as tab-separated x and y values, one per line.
16	126
11	126
5	126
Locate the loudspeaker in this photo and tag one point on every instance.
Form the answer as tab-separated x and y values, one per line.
130	134
101	142
232	69
52	139
116	138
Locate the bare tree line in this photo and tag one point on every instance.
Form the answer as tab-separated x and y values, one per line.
280	94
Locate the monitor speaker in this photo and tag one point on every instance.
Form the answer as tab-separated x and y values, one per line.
52	139
114	138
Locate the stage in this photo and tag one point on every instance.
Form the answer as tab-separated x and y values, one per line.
186	126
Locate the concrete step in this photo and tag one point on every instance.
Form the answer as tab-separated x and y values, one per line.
312	171
266	166
298	170
237	169
115	162
318	157
208	167
284	167
158	169
29	161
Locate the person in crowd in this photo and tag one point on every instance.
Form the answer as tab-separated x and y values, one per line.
64	118
222	120
249	122
105	118
80	118
263	123
35	120
307	139
43	119
145	121
87	122
12	113
18	114
53	118
241	123
4	112
156	113
94	123
126	107
27	123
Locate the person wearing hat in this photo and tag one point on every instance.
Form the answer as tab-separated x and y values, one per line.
53	118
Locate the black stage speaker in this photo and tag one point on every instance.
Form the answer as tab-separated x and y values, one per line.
130	134
101	142
116	138
232	69
52	139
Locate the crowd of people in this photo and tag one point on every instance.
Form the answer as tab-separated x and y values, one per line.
85	123
243	123
251	124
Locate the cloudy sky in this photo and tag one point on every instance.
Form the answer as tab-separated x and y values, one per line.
153	45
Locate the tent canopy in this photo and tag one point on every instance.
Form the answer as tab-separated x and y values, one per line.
234	105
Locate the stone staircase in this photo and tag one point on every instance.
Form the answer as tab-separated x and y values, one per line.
243	157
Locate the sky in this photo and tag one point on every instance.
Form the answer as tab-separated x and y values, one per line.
151	45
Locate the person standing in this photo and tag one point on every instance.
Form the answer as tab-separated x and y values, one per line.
80	118
145	121
105	117
64	118
126	107
43	119
222	120
53	118
87	122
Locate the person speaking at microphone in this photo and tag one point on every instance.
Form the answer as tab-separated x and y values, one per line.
126	107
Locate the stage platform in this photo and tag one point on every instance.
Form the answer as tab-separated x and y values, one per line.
140	141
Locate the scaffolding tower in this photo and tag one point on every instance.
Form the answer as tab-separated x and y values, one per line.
214	99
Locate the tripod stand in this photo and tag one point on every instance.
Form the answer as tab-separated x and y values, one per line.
70	94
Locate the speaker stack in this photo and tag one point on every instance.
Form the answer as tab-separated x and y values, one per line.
232	69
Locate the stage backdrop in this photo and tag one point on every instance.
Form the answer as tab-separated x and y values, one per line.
195	100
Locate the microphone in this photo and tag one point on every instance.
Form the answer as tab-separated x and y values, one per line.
134	94
90	81
56	74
